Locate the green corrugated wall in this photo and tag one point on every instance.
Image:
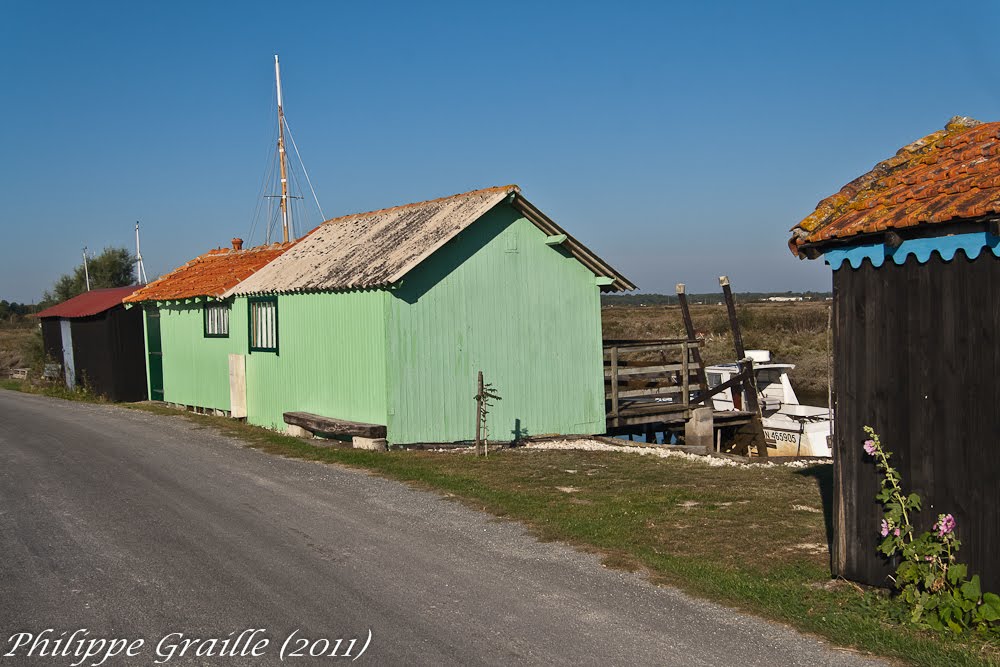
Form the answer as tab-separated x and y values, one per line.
496	299
330	360
195	368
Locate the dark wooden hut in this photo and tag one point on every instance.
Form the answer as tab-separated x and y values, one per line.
99	343
914	247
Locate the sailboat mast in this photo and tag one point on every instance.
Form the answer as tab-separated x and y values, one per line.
140	269
86	270
282	157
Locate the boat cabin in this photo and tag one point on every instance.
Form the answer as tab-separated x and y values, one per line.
790	428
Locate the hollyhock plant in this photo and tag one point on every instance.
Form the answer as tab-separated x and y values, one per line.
945	525
930	580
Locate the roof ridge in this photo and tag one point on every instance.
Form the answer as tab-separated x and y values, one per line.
257	248
512	188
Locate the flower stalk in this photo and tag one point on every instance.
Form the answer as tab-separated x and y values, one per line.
933	586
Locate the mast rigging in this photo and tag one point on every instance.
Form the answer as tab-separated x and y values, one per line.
282	157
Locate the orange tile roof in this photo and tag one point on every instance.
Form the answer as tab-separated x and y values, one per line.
950	175
210	274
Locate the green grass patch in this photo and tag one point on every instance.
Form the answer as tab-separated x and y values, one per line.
52	389
752	538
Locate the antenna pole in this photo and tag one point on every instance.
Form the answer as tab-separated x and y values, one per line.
140	270
282	157
86	271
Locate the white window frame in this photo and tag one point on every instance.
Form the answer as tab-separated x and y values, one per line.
216	318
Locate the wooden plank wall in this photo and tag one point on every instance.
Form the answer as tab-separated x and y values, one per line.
917	357
109	353
52	339
129	354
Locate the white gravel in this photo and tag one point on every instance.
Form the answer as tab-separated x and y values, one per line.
586	444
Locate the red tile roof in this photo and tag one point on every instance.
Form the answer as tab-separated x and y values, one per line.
89	303
950	175
210	274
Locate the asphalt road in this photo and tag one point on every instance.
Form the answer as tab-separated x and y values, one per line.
133	526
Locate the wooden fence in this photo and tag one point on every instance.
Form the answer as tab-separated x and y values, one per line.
658	381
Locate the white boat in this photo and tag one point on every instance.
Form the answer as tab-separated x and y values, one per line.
790	429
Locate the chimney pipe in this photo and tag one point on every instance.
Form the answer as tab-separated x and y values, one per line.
237	244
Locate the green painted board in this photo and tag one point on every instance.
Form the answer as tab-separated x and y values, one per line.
330	360
497	299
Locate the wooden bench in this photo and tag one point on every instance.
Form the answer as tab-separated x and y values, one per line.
328	425
19	374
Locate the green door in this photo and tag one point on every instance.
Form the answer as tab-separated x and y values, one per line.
155	360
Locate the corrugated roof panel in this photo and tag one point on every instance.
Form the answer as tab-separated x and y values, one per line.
371	249
89	303
368	250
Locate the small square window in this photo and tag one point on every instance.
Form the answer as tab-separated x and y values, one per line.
263	312
216	320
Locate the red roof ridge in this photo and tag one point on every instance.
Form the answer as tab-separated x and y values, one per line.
90	303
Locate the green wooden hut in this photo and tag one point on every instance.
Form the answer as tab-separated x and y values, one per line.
386	317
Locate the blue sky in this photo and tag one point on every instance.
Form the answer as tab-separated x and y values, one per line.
680	141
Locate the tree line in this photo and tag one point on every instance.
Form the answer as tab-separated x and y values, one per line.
113	267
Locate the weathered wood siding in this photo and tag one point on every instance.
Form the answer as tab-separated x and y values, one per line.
52	339
108	352
495	298
918	358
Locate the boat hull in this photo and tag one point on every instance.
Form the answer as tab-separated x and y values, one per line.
796	439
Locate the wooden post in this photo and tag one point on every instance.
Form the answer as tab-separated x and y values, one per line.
614	382
685	375
699	430
734	322
746	367
689	328
479	411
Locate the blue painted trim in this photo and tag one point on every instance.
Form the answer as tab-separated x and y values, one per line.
946	246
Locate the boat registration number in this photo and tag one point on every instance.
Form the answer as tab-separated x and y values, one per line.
781	436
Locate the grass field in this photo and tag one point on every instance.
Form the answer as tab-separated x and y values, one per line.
20	346
754	538
794	333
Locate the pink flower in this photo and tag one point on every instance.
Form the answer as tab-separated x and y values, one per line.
870	448
885	527
945	524
896	532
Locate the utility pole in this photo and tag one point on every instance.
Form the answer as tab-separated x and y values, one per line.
86	271
282	157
